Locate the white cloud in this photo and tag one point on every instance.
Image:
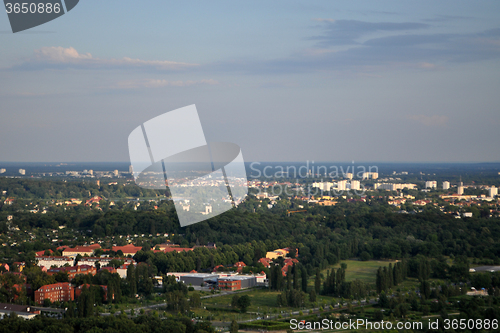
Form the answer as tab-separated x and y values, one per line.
70	57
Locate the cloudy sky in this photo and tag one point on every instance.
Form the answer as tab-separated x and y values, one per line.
286	80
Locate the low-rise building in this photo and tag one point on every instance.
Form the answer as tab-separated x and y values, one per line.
73	271
79	289
57	261
57	292
237	282
127	250
198	279
80	250
23	311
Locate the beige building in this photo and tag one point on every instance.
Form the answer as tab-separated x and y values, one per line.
370	175
277	253
58	261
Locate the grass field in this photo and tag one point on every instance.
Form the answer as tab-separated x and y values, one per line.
362	270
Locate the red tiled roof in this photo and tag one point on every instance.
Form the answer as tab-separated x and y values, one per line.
42	253
129	248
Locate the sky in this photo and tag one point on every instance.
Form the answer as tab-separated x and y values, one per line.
388	81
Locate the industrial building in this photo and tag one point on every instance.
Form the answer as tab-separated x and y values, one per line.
237	282
198	279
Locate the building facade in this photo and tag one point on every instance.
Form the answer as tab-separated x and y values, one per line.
57	292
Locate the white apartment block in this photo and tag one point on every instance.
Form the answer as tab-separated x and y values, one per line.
58	261
323	186
396	186
493	191
431	184
370	175
342	185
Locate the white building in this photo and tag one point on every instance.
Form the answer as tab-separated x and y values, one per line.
349	175
58	261
3	170
370	175
396	186
493	191
431	184
342	185
446	185
355	185
323	186
460	190
22	171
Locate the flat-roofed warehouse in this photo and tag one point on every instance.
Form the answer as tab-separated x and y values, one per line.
237	282
197	279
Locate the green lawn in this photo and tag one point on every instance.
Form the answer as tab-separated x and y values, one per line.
362	270
260	299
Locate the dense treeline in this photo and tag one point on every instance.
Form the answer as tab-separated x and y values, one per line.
121	323
390	276
65	189
323	235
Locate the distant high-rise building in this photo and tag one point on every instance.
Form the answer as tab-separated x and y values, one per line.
349	175
130	169
3	170
355	185
446	185
342	185
493	191
91	172
22	171
460	190
115	173
431	184
323	186
395	186
370	175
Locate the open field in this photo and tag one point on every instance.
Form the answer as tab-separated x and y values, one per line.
362	270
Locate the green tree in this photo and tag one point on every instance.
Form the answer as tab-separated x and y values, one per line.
317	282
244	302
234	301
195	300
234	327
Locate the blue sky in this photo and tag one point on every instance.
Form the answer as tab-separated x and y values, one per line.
286	80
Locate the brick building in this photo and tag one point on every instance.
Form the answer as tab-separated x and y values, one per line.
57	292
229	284
78	290
73	271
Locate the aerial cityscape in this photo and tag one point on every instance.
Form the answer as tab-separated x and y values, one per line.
259	166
